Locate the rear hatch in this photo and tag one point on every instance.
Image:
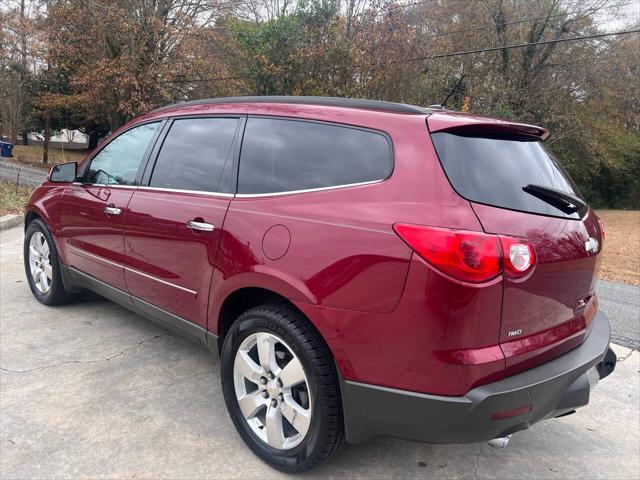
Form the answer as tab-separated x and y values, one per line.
517	188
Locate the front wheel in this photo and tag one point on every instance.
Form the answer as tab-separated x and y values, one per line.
281	390
42	265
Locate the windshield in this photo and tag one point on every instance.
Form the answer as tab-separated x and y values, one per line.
493	171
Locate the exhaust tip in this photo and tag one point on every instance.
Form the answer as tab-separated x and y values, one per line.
608	364
500	442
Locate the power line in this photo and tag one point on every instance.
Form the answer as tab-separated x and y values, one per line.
522	45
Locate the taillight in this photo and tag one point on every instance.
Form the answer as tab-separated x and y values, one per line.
468	256
518	256
473	257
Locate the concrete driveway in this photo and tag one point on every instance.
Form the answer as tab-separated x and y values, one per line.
91	390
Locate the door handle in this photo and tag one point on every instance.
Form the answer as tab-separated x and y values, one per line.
201	226
111	210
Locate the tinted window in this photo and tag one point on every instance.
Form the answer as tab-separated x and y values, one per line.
117	163
286	155
196	155
493	171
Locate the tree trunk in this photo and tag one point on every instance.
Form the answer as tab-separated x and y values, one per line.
23	40
23	72
47	137
93	140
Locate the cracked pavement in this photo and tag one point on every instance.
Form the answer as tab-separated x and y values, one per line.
77	362
93	390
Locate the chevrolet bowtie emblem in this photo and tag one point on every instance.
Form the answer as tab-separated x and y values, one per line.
591	245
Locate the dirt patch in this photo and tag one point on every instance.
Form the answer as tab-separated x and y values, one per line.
32	155
13	198
621	254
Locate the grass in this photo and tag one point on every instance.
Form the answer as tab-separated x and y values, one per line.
32	155
621	253
13	198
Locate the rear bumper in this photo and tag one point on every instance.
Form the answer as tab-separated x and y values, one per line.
550	390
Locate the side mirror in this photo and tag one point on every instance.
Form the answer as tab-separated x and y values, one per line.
64	172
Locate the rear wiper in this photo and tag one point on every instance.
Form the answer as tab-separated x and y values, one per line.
563	201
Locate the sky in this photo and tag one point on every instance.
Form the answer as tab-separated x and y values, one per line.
629	14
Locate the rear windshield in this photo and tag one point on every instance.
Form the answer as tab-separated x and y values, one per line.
494	170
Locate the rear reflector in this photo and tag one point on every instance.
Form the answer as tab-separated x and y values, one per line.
473	257
511	413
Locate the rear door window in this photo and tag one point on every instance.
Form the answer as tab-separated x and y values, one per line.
280	155
197	154
493	171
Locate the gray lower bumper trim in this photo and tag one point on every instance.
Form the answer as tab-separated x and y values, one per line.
554	388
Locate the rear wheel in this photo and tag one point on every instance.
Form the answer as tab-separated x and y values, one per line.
281	390
42	265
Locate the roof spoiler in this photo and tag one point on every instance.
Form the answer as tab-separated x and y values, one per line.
471	125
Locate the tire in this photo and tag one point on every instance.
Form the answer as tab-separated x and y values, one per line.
324	434
52	292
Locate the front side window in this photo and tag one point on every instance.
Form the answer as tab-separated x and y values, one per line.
118	162
197	155
281	155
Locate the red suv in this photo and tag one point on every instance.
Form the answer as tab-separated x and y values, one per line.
363	267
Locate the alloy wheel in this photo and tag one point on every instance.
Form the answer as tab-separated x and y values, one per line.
40	262
272	390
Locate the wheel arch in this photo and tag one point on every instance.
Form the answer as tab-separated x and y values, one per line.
241	300
32	213
41	205
240	291
244	298
30	216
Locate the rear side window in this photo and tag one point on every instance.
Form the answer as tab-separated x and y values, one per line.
494	170
281	155
196	155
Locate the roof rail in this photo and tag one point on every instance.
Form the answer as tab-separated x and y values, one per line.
307	100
